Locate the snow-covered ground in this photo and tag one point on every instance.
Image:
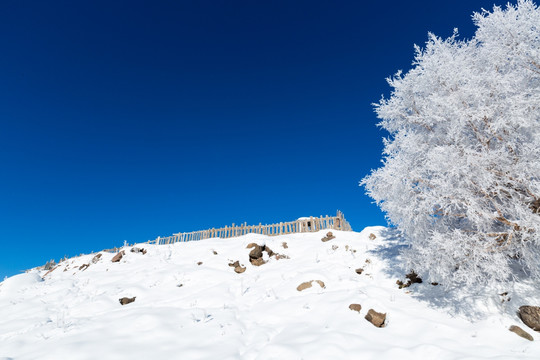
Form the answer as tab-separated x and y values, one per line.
187	310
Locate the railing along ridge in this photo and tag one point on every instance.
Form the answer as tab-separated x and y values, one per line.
301	225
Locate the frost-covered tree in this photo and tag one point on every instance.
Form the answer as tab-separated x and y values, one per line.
461	168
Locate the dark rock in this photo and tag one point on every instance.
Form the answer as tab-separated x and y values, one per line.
200	263
530	315
118	256
521	332
256	252
413	278
215	252
84	266
376	318
125	300
234	264
268	251
372	236
138	250
359	271
251	245
96	258
355	307
284	244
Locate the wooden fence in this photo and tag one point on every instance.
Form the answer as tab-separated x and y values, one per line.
301	225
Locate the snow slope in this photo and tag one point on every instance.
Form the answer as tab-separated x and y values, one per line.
184	310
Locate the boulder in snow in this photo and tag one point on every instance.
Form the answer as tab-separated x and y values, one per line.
96	258
126	300
118	256
239	269
355	307
376	318
519	331
138	250
530	315
372	236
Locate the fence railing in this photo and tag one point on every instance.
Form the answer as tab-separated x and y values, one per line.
301	225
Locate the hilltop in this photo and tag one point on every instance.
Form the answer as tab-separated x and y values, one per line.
191	304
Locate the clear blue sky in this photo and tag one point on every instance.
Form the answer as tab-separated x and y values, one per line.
125	120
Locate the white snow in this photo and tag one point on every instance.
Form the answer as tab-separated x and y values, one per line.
188	311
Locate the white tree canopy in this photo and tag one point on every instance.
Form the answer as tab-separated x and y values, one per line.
461	168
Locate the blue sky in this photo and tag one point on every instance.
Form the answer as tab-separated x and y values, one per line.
126	120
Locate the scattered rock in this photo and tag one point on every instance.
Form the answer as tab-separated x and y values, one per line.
284	244
530	315
329	236
257	262
376	318
199	263
355	307
304	286
256	252
84	267
118	256
179	285
359	271
372	236
138	250
215	252
251	245
239	269
335	247
268	251
125	300
96	258
521	332
434	283
308	284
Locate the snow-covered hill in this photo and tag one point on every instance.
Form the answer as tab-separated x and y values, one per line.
190	304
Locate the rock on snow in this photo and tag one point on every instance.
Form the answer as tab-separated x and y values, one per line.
207	311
